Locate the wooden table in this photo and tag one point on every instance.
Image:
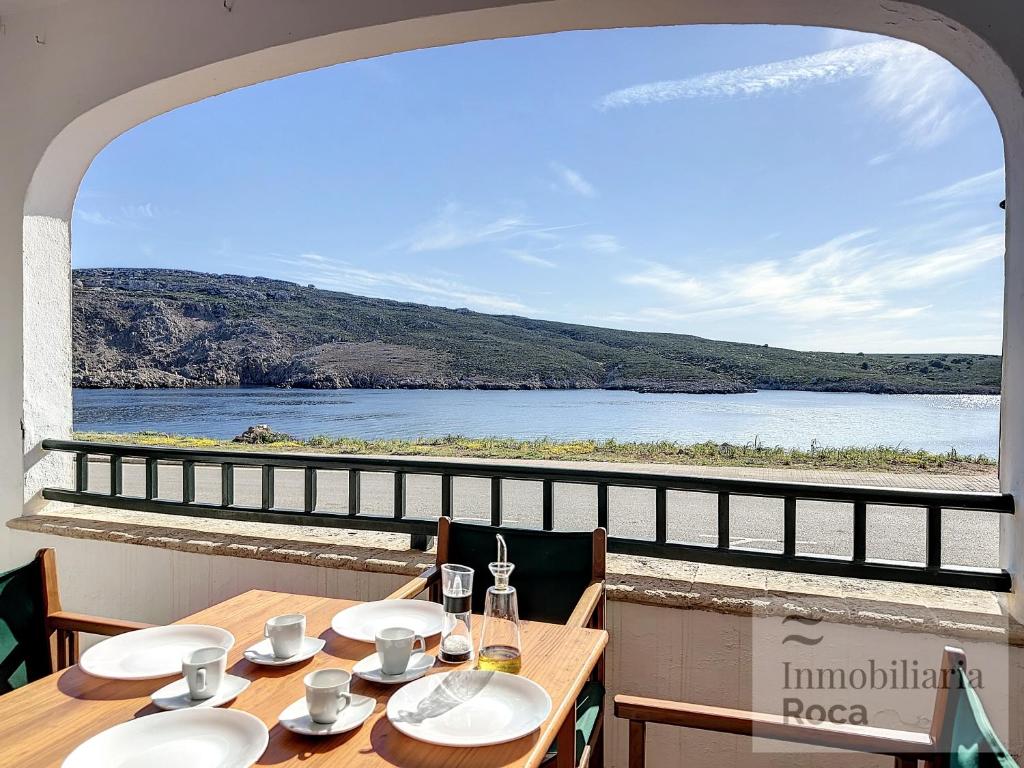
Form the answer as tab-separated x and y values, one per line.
41	723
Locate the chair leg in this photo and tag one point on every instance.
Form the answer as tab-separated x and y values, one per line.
72	648
566	741
637	745
597	753
67	649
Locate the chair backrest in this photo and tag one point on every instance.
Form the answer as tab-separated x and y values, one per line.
552	568
962	732
24	640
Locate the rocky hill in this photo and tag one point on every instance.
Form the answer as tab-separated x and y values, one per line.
169	328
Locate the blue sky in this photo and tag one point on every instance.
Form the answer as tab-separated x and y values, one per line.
798	187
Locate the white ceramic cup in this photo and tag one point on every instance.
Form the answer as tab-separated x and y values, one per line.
204	671
394	649
286	634
327	694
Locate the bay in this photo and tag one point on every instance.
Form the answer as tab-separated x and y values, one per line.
967	423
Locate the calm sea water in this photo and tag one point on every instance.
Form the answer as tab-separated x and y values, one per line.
968	423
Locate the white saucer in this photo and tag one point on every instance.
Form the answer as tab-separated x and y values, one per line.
175	695
369	669
297	720
262	653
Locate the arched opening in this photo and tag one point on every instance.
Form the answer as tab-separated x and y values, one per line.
67	155
218	49
817	192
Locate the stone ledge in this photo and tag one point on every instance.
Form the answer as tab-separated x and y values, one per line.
948	612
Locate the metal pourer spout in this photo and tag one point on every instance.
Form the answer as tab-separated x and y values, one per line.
502	568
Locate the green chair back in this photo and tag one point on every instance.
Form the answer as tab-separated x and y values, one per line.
24	646
973	743
552	568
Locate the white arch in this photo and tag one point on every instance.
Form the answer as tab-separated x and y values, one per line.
104	66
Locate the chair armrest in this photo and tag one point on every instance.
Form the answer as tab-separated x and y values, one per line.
587	604
78	622
415	586
858	738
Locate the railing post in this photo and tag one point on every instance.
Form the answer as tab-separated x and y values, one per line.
399	495
548	505
81	472
309	488
188	481
152	478
420	541
116	476
789	527
661	514
446	495
602	505
495	501
354	491
933	538
267	500
860	531
227	485
723	519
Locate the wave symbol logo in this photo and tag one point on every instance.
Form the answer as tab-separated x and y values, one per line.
798	638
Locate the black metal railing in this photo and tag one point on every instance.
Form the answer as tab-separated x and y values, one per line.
856	565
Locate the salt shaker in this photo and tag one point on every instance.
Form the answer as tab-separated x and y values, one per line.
456	630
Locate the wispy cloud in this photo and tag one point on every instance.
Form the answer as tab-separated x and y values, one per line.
528	257
139	211
991	183
455	227
849	277
129	215
342	276
574	181
94	217
906	83
602	243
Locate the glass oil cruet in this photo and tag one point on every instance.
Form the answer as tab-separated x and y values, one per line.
500	649
456	627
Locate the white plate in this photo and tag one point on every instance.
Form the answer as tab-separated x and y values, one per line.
197	738
263	653
362	622
296	717
469	708
150	653
175	695
369	669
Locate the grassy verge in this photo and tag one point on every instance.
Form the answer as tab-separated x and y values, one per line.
710	454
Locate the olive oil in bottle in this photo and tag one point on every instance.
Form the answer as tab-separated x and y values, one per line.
500	658
500	647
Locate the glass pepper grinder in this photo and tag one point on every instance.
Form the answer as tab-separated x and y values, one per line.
456	628
500	649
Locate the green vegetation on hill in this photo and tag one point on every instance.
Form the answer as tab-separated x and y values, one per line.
159	328
709	454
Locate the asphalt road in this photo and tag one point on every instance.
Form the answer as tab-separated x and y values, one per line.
894	533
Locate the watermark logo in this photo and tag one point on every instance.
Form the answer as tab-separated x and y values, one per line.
802	639
815	672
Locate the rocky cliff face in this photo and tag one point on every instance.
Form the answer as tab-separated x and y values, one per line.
137	328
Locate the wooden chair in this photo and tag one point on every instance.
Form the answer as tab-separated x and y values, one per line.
37	637
559	578
960	734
